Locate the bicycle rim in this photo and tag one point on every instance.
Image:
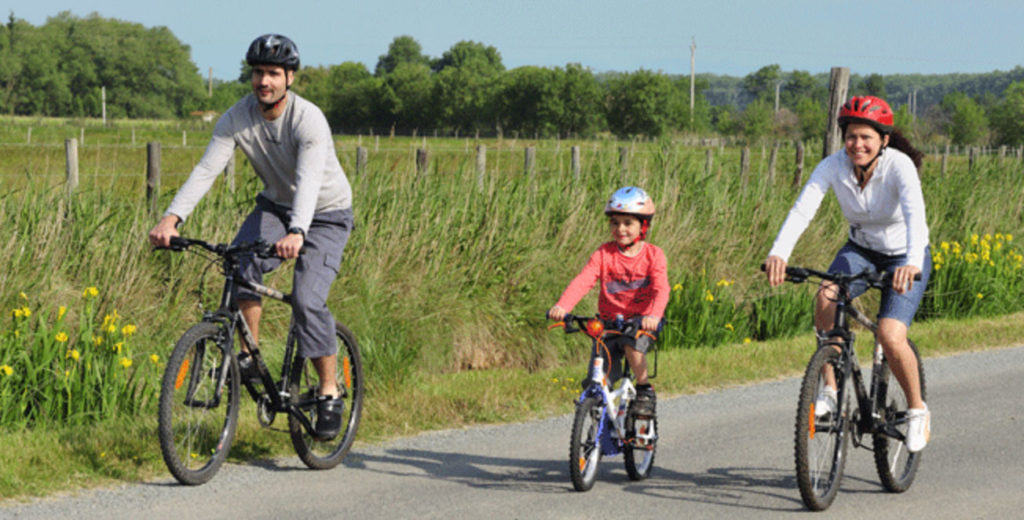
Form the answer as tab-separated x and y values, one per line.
584	446
821	440
197	420
896	466
304	388
640	460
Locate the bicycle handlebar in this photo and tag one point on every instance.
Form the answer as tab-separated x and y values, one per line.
631	327
873	278
260	248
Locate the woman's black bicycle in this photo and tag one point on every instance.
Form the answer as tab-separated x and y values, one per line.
881	412
199	393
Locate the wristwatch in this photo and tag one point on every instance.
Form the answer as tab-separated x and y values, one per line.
296	230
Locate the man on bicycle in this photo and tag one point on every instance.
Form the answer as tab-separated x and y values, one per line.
306	203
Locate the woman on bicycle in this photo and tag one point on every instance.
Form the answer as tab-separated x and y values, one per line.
875	179
634	284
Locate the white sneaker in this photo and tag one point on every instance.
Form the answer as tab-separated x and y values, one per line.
919	430
826	401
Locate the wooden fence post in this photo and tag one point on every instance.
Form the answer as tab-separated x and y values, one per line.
152	175
71	164
624	161
133	137
772	160
576	167
744	165
28	140
184	138
362	156
422	160
798	176
972	153
709	157
481	165
945	159
529	159
837	86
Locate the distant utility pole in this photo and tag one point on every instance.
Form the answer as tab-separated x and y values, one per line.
693	55
103	101
777	85
209	88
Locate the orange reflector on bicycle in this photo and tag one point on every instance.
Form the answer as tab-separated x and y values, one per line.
347	371
181	375
583	463
595	328
810	425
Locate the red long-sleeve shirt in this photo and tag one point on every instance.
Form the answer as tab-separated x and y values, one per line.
631	286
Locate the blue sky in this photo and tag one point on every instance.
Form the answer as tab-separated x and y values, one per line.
732	37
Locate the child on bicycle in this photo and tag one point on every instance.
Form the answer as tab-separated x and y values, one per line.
634	284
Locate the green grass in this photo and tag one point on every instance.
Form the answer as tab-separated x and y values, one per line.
447	275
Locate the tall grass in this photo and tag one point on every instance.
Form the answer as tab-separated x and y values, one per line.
450	270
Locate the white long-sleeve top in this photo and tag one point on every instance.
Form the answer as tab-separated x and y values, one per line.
887	216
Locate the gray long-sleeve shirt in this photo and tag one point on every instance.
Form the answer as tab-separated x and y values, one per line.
293	155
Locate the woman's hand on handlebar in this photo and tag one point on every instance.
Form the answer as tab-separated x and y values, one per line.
556	313
775	269
289	246
161	234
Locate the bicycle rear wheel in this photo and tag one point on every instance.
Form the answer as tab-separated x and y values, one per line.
198	415
584	446
640	459
896	466
821	441
304	388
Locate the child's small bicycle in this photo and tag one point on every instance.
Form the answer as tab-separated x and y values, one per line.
604	423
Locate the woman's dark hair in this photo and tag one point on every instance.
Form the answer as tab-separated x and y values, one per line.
899	142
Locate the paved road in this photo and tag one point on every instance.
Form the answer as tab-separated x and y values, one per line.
722	454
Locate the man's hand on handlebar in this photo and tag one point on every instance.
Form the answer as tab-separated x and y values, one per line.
160	235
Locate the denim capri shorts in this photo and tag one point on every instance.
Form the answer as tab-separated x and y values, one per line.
853	259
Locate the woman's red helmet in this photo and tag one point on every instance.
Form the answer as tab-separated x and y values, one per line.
868	110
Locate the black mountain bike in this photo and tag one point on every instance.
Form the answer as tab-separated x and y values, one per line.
199	393
881	412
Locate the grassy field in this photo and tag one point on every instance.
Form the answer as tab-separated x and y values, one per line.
447	274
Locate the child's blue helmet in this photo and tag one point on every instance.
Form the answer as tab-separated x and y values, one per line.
632	201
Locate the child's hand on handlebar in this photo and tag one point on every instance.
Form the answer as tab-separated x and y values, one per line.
649	323
556	313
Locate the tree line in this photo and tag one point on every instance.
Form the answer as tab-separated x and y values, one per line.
58	69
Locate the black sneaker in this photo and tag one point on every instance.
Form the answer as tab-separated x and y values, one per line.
328	417
645	402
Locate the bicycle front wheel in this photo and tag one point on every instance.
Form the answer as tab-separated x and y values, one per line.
821	438
197	413
584	446
896	466
304	388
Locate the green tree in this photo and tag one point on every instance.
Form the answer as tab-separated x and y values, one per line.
1008	118
582	101
643	103
756	121
873	85
404	100
529	102
801	85
466	79
761	84
403	49
812	117
967	122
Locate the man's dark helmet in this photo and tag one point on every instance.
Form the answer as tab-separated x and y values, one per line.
273	49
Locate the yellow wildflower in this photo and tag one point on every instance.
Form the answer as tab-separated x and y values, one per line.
111	328
61	311
677	287
729	327
61	337
747	340
974	239
945	246
980	296
97	340
23	296
724	283
970	258
154	358
1009	237
6	370
26	311
90	292
125	362
999	236
17	313
117	346
708	296
73	354
128	330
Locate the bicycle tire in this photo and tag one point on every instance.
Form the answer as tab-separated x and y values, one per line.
584	445
196	421
305	386
639	460
896	466
820	459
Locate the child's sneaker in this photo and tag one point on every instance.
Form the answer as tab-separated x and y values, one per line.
826	401
919	430
645	402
